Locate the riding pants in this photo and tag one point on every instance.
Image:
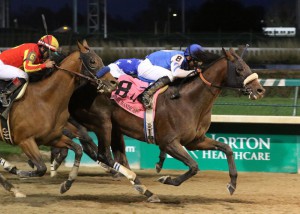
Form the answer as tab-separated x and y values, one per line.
152	72
8	72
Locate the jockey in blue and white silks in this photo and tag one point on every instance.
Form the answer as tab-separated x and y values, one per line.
121	67
160	67
165	66
162	63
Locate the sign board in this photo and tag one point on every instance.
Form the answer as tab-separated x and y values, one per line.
254	153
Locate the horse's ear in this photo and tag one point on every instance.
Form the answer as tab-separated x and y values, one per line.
85	44
224	51
80	46
83	47
228	54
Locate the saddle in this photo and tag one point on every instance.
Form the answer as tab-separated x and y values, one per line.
126	97
4	111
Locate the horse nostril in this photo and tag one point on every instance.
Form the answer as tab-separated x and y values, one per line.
260	91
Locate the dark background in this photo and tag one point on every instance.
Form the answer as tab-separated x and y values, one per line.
139	23
140	16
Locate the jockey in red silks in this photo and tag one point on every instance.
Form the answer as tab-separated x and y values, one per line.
28	56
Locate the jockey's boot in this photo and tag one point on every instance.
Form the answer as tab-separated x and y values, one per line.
9	89
145	97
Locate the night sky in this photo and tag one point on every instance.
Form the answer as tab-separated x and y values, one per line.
123	8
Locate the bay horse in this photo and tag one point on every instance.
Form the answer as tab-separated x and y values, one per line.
178	123
38	118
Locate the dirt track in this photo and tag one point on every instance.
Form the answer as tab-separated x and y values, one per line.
96	192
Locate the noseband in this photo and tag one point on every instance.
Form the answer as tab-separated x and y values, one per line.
233	81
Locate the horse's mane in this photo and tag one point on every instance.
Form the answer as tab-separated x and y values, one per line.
207	57
37	76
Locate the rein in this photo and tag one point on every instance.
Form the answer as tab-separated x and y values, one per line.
98	82
77	74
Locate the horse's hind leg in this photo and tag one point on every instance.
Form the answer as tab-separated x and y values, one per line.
80	132
58	155
65	142
210	144
9	187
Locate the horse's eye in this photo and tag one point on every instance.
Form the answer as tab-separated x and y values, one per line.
92	61
239	69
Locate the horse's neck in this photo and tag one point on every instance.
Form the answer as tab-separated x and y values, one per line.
200	93
61	84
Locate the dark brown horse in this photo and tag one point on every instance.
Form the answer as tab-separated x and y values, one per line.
178	122
72	130
39	117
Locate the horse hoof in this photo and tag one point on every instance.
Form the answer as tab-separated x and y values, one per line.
53	174
230	188
117	176
18	194
164	179
64	188
153	199
158	168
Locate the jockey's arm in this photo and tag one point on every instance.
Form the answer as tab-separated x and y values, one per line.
176	69
29	66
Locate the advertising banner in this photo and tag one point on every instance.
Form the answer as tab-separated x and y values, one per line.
255	153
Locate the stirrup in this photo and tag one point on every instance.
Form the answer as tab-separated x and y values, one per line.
5	102
147	102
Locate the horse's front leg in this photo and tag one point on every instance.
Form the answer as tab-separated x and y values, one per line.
104	156
160	163
118	148
176	150
9	187
210	144
8	166
30	148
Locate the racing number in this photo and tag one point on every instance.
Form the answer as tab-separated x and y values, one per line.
178	58
123	89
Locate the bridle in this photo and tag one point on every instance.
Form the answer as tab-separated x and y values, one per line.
246	80
94	79
201	69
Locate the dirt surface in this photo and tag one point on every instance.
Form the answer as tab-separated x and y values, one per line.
96	192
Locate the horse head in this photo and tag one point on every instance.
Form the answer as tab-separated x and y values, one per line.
239	75
91	64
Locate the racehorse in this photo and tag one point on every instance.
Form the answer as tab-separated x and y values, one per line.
39	116
178	122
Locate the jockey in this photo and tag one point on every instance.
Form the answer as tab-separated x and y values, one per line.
164	67
121	67
28	56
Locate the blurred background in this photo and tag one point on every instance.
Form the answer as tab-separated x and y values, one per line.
150	22
134	28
